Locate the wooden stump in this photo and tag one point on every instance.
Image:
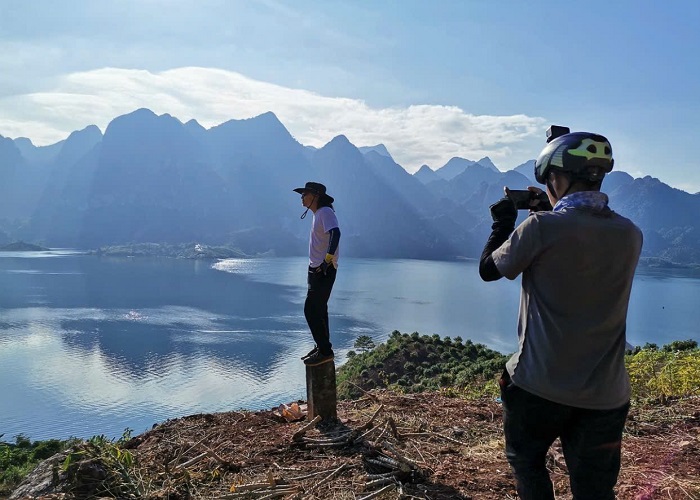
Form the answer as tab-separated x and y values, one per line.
321	393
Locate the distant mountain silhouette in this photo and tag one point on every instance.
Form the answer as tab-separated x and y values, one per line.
152	178
528	170
425	174
379	148
457	165
453	168
486	162
14	176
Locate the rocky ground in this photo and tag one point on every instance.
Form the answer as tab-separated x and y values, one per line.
385	446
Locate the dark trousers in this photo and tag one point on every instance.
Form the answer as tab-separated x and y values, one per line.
316	306
591	441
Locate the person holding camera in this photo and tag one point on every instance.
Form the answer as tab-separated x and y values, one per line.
323	265
568	378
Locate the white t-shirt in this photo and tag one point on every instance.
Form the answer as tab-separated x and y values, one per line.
323	221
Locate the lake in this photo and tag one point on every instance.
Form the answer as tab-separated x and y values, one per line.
94	345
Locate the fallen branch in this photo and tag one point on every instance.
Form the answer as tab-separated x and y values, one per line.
382	481
298	434
378	492
307	476
386	462
255	490
369	422
362	436
280	493
261	493
385	475
329	476
192	461
394	431
434	434
216	457
399	456
337	439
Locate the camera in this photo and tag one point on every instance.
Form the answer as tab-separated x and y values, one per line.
555	131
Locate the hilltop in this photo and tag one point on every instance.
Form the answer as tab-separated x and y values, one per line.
421	420
423	446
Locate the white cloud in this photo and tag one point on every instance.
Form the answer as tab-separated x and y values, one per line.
414	135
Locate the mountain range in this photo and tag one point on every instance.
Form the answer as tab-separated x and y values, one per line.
152	178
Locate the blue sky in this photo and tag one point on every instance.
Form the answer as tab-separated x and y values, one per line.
430	80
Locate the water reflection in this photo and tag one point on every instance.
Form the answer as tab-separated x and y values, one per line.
129	342
92	345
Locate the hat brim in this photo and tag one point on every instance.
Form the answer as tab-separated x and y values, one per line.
304	190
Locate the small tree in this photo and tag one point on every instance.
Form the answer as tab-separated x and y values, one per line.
681	345
364	343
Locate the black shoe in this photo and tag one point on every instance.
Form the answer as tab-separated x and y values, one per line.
310	353
318	359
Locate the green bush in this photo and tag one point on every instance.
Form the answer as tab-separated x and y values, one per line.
665	373
364	343
681	345
19	458
413	361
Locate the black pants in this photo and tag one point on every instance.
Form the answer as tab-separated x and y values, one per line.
591	442
316	306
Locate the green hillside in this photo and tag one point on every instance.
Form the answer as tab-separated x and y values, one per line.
415	363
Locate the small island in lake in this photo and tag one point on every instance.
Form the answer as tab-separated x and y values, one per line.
21	246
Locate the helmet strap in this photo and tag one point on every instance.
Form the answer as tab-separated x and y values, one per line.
550	186
551	189
571	183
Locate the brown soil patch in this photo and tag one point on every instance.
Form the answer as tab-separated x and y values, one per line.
424	446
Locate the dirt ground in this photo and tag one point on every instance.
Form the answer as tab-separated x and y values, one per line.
390	446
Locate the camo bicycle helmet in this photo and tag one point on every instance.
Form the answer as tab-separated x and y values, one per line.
583	155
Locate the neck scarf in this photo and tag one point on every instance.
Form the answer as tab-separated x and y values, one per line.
592	200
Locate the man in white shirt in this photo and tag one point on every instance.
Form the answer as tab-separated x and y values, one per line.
323	265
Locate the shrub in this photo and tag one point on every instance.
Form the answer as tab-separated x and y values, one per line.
662	374
445	379
681	345
19	458
364	343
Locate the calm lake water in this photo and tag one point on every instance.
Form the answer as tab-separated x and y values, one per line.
93	345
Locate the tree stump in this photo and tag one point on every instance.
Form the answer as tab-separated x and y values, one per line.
321	395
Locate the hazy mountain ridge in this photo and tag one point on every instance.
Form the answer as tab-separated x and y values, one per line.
151	178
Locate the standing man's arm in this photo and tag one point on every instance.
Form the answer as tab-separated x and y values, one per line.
504	215
332	244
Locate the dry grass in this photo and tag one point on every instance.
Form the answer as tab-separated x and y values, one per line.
389	446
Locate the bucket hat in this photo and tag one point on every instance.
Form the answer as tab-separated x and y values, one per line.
316	188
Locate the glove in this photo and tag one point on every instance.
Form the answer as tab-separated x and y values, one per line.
504	214
327	262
